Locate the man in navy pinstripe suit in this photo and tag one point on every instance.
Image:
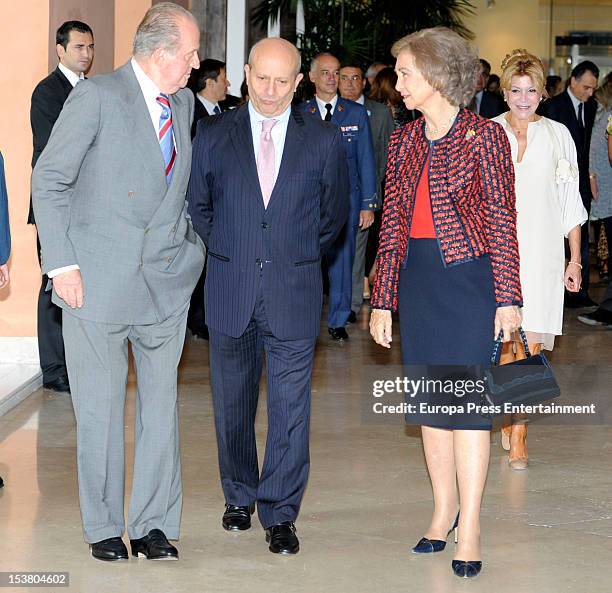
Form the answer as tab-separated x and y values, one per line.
268	195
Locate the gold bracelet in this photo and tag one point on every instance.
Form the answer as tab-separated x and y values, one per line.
576	264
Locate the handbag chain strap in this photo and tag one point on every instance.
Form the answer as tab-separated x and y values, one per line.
496	355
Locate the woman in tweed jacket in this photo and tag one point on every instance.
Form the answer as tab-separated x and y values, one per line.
448	263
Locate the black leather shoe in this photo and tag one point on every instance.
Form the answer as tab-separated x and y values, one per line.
110	549
237	518
352	318
338	333
467	568
59	385
200	333
282	538
597	317
154	546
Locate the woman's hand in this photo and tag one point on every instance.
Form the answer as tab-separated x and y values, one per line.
573	277
380	327
507	320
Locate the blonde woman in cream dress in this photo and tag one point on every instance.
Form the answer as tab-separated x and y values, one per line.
549	209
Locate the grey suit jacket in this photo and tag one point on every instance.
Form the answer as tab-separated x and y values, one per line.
382	126
101	201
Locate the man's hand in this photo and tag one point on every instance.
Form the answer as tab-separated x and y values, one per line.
4	275
366	218
380	327
508	320
69	287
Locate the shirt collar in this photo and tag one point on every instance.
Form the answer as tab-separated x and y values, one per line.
70	75
361	100
149	89
209	105
258	117
575	101
322	103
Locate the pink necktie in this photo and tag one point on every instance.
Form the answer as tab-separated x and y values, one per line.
265	160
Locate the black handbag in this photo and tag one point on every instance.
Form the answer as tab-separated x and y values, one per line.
529	381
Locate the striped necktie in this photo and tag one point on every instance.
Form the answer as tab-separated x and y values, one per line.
166	136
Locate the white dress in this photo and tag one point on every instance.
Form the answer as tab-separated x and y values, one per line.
548	206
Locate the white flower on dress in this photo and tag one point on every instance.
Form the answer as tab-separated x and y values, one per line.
566	172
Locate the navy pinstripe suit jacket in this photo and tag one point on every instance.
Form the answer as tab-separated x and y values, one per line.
282	243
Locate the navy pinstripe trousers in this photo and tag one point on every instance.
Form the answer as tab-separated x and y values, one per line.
236	367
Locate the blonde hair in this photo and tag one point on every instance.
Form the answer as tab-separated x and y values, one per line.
520	62
446	61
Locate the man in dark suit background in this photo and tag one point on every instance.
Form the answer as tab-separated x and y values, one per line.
209	83
353	122
575	108
484	102
268	195
75	49
351	86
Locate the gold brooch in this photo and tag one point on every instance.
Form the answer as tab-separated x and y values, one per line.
470	134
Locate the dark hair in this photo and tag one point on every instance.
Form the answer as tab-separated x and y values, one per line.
62	36
383	87
486	66
586	66
209	70
353	65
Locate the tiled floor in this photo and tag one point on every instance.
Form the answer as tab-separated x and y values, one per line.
545	530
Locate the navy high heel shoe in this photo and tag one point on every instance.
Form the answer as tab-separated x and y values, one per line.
429	546
466	568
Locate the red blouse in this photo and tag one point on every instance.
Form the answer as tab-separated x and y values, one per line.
422	226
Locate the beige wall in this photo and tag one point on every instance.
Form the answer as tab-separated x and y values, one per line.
508	25
20	72
128	13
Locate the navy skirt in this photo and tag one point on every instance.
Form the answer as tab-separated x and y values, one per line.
446	317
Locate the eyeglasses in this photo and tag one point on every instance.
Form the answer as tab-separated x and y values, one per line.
354	78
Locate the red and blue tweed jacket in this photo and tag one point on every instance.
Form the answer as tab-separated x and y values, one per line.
471	185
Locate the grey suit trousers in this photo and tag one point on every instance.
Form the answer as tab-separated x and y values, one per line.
359	272
97	362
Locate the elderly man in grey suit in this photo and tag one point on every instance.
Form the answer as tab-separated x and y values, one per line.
109	199
351	85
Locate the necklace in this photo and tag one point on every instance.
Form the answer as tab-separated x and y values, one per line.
431	131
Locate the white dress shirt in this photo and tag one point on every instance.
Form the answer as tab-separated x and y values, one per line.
361	100
150	92
479	100
278	133
576	103
73	78
208	105
321	105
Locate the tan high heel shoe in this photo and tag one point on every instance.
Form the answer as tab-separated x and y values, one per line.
518	459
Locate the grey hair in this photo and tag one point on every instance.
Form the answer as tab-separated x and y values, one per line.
159	28
446	61
313	63
298	55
